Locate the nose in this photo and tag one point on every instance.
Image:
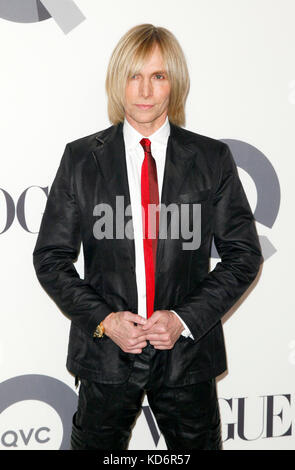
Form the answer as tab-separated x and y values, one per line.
146	88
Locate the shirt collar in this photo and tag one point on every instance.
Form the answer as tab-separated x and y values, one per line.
132	137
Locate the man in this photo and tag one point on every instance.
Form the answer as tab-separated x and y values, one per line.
147	315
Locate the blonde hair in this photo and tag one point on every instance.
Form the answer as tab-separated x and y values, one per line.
127	59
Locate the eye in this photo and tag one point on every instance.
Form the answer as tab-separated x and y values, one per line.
159	76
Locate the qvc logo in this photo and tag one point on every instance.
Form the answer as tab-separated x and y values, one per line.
12	438
36	413
65	12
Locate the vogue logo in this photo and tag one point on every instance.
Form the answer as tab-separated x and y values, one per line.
256	418
65	12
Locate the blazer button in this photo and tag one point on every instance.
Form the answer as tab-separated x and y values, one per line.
132	269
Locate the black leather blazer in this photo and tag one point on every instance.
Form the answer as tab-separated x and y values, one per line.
198	169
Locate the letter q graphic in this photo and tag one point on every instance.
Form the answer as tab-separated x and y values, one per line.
65	12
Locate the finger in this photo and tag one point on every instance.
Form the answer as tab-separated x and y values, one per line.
142	344
157	337
134	344
160	343
137	348
134	318
158	328
137	335
151	321
138	326
157	331
135	351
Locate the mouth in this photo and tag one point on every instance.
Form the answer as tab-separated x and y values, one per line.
144	106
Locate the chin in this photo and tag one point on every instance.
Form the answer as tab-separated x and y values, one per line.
145	117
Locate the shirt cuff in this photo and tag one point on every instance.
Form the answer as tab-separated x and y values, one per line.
186	332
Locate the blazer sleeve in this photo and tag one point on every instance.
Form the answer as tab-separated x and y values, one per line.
56	249
237	243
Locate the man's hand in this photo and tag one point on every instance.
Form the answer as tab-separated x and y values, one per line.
163	329
121	328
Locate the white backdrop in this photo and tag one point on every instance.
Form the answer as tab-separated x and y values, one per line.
241	61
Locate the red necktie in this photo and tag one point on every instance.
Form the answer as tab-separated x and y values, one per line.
149	195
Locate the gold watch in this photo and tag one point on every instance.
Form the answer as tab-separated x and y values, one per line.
99	332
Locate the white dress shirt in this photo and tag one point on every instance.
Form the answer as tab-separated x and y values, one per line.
134	159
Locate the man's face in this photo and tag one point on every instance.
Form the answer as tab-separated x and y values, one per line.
147	95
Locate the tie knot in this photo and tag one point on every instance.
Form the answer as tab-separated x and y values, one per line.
146	144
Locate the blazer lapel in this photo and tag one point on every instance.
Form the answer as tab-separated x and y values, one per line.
111	160
177	167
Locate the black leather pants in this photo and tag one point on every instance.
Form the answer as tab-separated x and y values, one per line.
187	416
